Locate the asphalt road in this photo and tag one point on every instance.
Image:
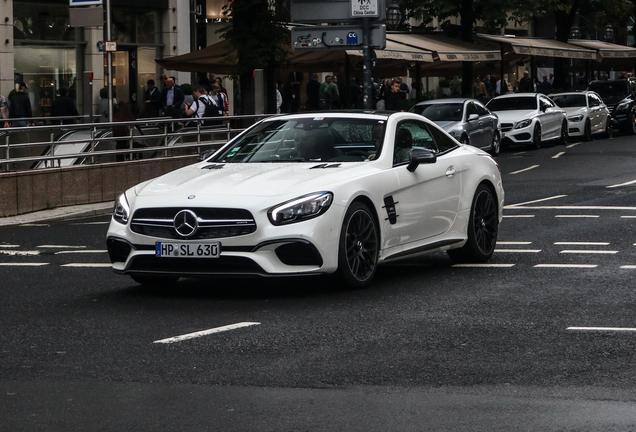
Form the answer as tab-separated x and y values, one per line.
542	338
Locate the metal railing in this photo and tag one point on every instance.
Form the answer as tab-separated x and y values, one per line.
34	147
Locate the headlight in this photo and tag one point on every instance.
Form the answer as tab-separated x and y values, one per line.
576	118
122	210
622	106
300	209
523	123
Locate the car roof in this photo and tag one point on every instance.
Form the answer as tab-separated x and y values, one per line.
370	114
583	92
517	95
446	101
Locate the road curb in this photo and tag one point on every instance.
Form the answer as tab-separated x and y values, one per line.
61	213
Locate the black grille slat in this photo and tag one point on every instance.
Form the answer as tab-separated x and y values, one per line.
221	265
214	222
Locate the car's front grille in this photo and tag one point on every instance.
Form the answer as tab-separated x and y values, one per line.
212	223
194	266
505	127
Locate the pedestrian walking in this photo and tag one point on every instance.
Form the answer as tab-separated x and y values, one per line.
20	107
63	106
324	97
4	111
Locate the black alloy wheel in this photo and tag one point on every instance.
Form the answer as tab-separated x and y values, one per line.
359	246
495	146
609	128
564	133
483	227
536	137
632	123
587	131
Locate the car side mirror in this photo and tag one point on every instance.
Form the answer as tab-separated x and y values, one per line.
473	117
420	156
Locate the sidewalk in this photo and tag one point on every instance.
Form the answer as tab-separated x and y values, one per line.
61	213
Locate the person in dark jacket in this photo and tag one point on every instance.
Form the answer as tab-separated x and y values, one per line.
152	100
20	107
313	88
172	98
391	98
63	106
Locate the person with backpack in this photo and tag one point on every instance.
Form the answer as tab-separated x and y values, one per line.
202	107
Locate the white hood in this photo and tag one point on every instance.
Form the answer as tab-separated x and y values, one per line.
515	115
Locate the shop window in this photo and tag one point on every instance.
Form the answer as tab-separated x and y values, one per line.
41	21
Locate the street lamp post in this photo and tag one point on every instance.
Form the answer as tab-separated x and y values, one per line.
608	32
393	15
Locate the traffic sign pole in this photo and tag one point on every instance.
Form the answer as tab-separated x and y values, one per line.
367	62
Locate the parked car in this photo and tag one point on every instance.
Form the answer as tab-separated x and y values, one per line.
466	120
586	112
309	194
620	98
529	118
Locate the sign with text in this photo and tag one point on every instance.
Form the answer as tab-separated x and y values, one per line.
364	9
335	37
110	46
84	2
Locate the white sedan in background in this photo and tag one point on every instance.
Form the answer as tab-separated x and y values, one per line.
310	194
586	112
529	118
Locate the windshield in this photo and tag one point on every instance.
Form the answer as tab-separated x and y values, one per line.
570	101
316	139
513	103
613	90
440	112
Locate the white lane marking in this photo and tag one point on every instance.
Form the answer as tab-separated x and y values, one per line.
525	169
519	250
8	246
578	208
80	251
628	267
86	265
566	265
628	217
61	247
535	201
483	265
518	216
577	216
556	156
589	252
611	329
572	145
520	153
24	264
34	225
513	243
583	243
206	332
19	253
621	184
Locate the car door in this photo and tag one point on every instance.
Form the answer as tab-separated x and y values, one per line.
599	112
474	125
428	198
489	124
551	118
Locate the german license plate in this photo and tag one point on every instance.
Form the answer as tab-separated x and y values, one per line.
188	250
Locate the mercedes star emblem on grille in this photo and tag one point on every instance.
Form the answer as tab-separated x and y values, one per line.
186	223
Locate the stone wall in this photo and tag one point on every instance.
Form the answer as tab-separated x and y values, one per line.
33	190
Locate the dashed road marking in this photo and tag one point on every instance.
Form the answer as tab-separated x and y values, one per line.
582	243
566	265
87	265
80	251
622	184
483	265
558	155
206	332
524	170
603	329
518	216
61	247
572	145
8	246
23	264
589	252
519	250
629	267
576	216
514	242
19	253
628	217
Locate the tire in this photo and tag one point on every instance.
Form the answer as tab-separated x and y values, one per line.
609	128
495	146
483	226
630	127
536	137
564	133
158	281
359	246
587	131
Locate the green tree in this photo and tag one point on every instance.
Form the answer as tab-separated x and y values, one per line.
257	33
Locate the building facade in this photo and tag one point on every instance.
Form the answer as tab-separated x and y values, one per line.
39	46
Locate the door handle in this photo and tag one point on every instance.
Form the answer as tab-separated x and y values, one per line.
450	171
481	123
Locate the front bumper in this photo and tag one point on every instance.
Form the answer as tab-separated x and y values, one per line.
516	136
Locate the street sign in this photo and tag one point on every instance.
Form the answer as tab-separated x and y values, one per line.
84	2
110	46
364	9
335	37
101	46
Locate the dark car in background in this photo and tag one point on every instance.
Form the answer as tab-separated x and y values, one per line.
620	98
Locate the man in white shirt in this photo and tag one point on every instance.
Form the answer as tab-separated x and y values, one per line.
197	108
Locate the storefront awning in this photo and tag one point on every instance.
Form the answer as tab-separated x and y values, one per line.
445	48
399	52
541	47
605	49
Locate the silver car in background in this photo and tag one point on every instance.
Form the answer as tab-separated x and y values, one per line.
467	120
